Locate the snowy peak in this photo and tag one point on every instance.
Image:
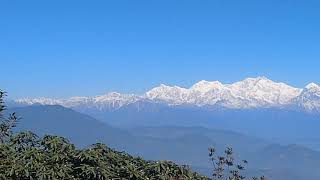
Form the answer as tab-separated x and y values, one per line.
205	86
255	80
264	91
260	83
309	99
251	92
311	90
170	94
111	100
41	100
313	86
259	92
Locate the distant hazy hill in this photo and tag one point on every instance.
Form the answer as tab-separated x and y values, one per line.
280	162
185	145
80	128
271	123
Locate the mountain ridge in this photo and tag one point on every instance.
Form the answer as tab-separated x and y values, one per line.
259	92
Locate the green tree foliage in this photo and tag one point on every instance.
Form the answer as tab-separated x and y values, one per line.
26	156
226	168
6	123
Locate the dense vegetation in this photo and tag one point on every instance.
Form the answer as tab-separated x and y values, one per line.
24	155
225	166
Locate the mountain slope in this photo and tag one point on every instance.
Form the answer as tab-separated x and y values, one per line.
80	128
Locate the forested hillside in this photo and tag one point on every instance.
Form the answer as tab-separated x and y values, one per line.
24	155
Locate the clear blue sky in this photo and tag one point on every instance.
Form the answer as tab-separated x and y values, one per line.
63	48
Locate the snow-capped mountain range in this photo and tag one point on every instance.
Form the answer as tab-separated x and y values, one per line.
257	92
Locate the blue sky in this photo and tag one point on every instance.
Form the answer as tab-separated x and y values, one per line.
67	48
